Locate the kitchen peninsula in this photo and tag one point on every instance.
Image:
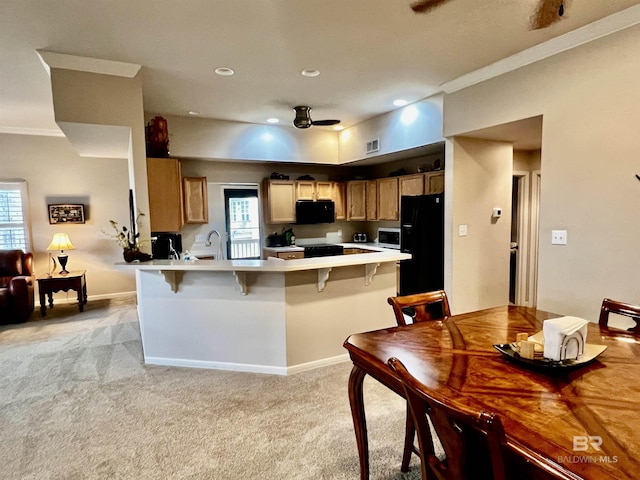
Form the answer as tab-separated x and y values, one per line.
270	316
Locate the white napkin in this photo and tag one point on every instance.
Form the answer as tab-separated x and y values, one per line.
564	337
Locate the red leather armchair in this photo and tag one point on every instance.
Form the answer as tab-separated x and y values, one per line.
17	280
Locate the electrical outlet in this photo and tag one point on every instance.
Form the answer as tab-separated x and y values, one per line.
558	237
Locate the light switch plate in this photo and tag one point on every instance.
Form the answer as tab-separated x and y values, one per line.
462	230
558	237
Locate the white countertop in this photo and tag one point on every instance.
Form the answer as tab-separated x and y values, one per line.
381	255
290	248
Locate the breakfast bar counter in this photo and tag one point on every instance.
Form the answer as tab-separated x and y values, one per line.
270	316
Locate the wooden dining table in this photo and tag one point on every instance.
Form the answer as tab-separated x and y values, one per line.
579	422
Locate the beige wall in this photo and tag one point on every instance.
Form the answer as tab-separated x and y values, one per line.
88	106
55	173
526	160
222	140
482	173
412	126
590	102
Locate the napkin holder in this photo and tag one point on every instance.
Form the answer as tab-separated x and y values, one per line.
564	338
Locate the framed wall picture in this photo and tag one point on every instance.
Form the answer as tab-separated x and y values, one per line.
66	213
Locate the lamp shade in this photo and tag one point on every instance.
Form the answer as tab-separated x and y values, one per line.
60	241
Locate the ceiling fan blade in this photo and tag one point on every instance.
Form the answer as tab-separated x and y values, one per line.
549	12
325	123
423	6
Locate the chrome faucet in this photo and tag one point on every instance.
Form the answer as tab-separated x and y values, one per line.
220	255
173	255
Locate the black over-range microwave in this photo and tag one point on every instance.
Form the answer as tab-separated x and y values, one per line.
320	211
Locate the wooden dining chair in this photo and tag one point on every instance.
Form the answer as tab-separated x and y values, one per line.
625	309
419	307
474	442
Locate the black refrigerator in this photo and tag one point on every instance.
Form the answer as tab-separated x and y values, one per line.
422	235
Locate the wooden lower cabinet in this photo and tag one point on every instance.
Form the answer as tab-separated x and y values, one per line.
286	255
388	199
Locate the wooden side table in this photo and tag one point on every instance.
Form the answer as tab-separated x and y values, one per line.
56	282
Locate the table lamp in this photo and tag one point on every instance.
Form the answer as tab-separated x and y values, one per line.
61	242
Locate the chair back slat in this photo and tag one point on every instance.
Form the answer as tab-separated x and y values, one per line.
626	309
420	307
474	442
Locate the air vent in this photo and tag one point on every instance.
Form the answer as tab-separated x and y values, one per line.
373	146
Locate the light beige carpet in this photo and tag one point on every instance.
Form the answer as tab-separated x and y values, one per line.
76	402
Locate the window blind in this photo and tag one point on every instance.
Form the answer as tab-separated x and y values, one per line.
13	221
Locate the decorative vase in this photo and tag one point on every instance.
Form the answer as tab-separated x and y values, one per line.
135	255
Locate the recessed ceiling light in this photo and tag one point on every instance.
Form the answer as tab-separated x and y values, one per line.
400	102
224	71
310	72
272	120
337	128
194	113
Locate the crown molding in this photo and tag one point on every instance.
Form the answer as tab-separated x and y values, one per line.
43	132
85	64
588	33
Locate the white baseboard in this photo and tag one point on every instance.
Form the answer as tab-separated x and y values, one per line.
245	367
236	367
73	297
317	364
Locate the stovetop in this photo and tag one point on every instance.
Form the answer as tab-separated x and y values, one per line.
322	250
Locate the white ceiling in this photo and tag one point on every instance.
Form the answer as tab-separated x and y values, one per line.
369	52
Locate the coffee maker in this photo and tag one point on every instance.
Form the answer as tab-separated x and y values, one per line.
165	245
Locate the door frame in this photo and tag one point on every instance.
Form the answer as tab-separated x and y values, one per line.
523	237
239	186
532	293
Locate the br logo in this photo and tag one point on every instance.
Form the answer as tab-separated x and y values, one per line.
581	443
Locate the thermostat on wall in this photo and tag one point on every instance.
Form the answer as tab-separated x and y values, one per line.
497	212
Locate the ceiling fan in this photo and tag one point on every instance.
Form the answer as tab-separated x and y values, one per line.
547	13
303	118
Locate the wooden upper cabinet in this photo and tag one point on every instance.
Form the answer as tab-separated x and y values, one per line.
434	182
305	190
388	199
412	184
422	183
196	203
372	200
164	179
357	200
313	190
339	196
324	190
279	197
